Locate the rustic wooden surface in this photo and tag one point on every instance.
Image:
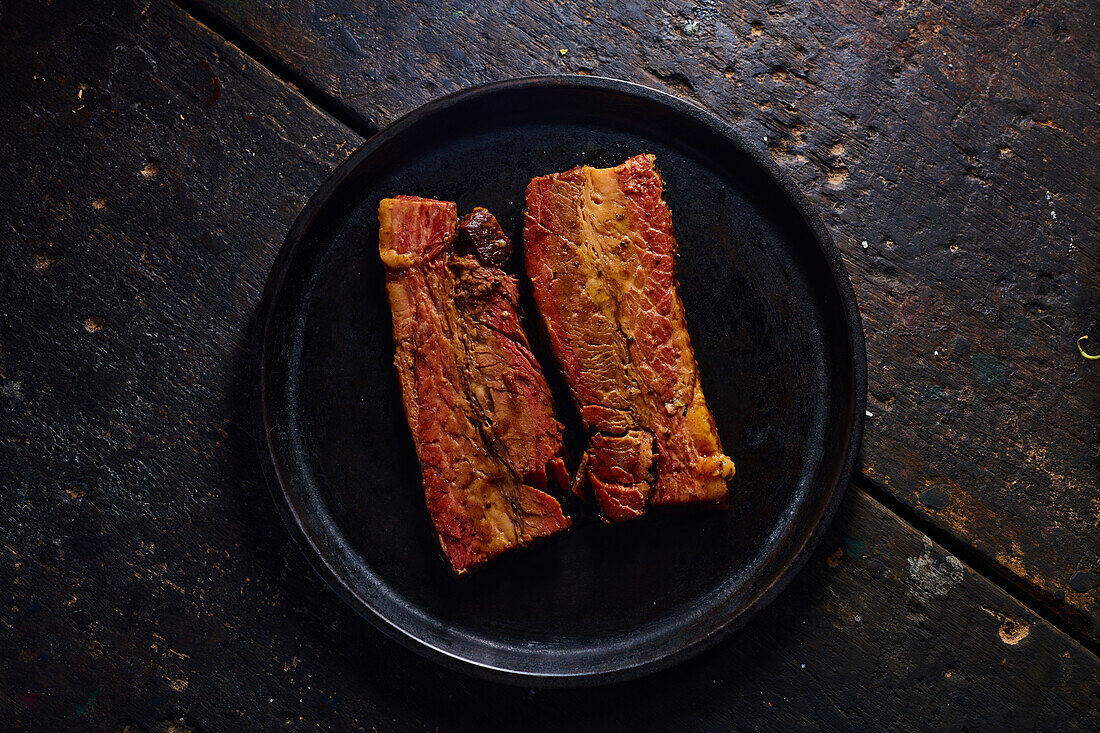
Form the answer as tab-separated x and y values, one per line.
947	146
153	171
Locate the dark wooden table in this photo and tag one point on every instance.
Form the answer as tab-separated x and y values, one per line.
154	155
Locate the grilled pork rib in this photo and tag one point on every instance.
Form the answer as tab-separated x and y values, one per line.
600	251
476	401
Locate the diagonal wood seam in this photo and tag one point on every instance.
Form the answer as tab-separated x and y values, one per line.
1026	593
1020	589
329	106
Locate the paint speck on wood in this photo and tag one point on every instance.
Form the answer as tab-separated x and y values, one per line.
1012	629
933	573
43	260
13	390
1084	581
935	498
349	42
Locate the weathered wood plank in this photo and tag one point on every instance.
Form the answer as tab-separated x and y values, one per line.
947	145
150	585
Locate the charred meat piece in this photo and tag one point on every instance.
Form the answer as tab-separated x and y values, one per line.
600	251
481	232
476	401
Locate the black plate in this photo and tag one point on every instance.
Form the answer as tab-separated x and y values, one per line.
776	333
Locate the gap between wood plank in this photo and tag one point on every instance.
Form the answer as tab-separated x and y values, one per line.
345	115
1014	586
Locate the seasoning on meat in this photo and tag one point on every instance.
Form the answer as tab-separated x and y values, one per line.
476	401
481	231
602	257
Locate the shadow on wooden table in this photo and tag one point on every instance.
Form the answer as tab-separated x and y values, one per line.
346	645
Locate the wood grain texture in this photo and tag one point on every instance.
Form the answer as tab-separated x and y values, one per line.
948	148
149	584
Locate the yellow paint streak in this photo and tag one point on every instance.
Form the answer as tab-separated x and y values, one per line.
1051	124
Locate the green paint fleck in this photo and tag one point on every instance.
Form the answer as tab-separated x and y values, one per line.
1021	334
88	704
854	547
988	369
936	392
